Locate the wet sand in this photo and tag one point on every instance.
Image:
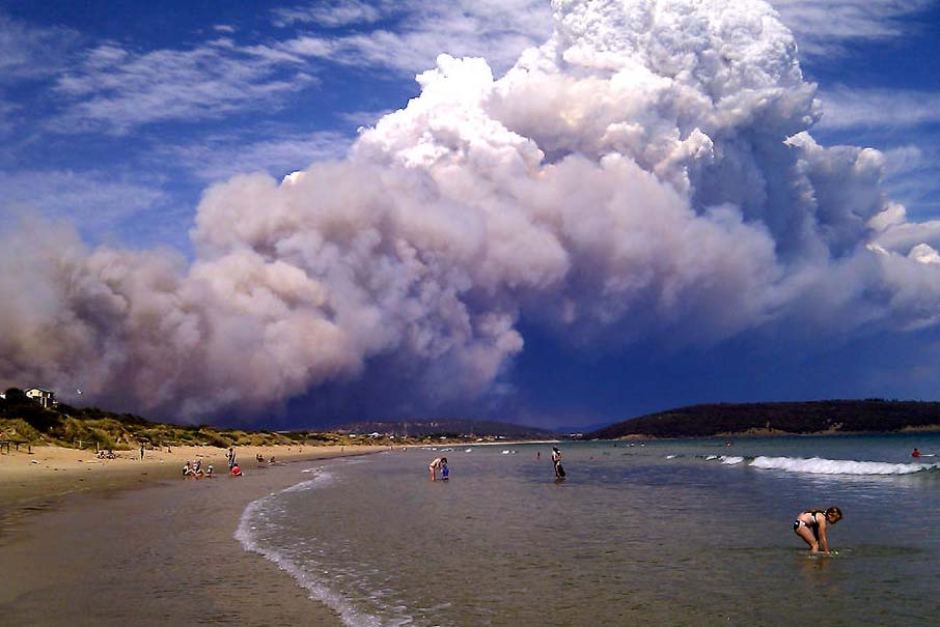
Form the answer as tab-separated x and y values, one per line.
162	553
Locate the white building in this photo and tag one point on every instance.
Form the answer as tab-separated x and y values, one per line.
43	397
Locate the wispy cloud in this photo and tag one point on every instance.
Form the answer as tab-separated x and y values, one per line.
7	111
28	51
333	14
221	157
95	201
824	28
115	89
364	118
498	31
845	108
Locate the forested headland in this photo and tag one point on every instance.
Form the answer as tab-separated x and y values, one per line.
832	416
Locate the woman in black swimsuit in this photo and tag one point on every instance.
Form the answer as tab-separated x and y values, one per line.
812	525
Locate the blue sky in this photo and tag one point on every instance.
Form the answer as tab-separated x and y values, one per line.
116	117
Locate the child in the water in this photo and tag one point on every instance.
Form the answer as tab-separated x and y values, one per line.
445	471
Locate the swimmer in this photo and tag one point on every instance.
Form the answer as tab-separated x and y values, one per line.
813	525
915	453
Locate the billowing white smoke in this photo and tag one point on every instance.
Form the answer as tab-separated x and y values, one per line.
646	173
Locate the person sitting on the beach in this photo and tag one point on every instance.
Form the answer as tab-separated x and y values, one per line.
259	457
271	461
236	471
812	525
187	469
209	472
434	465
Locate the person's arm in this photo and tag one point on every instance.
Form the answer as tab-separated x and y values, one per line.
823	534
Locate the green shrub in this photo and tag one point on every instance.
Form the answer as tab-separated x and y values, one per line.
18	430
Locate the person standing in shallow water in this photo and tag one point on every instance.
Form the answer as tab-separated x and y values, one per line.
813	526
556	462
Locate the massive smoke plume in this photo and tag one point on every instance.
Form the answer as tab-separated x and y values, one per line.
647	173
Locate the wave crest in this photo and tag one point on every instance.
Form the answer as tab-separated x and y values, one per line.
822	466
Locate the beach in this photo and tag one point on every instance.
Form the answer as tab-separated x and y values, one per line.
678	532
128	541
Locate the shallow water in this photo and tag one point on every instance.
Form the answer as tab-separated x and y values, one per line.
685	532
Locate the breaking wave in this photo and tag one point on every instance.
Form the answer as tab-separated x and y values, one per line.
821	466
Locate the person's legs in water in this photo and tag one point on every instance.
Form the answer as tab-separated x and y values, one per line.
804	531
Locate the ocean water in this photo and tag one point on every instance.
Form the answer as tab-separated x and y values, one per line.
686	532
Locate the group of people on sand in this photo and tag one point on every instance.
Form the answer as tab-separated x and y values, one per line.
193	470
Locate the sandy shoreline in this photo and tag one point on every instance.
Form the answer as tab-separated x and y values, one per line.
84	547
51	471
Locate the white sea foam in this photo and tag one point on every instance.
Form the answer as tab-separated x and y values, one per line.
821	466
731	459
247	536
319	480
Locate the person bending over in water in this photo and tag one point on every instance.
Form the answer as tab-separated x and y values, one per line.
813	525
434	465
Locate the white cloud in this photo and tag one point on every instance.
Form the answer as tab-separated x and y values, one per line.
824	28
855	108
334	13
364	118
114	89
96	201
29	52
214	158
498	31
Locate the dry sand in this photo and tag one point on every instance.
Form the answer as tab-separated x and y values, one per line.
77	546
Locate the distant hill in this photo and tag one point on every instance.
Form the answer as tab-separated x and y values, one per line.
454	428
871	415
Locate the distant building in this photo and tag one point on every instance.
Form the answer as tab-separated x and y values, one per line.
43	397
